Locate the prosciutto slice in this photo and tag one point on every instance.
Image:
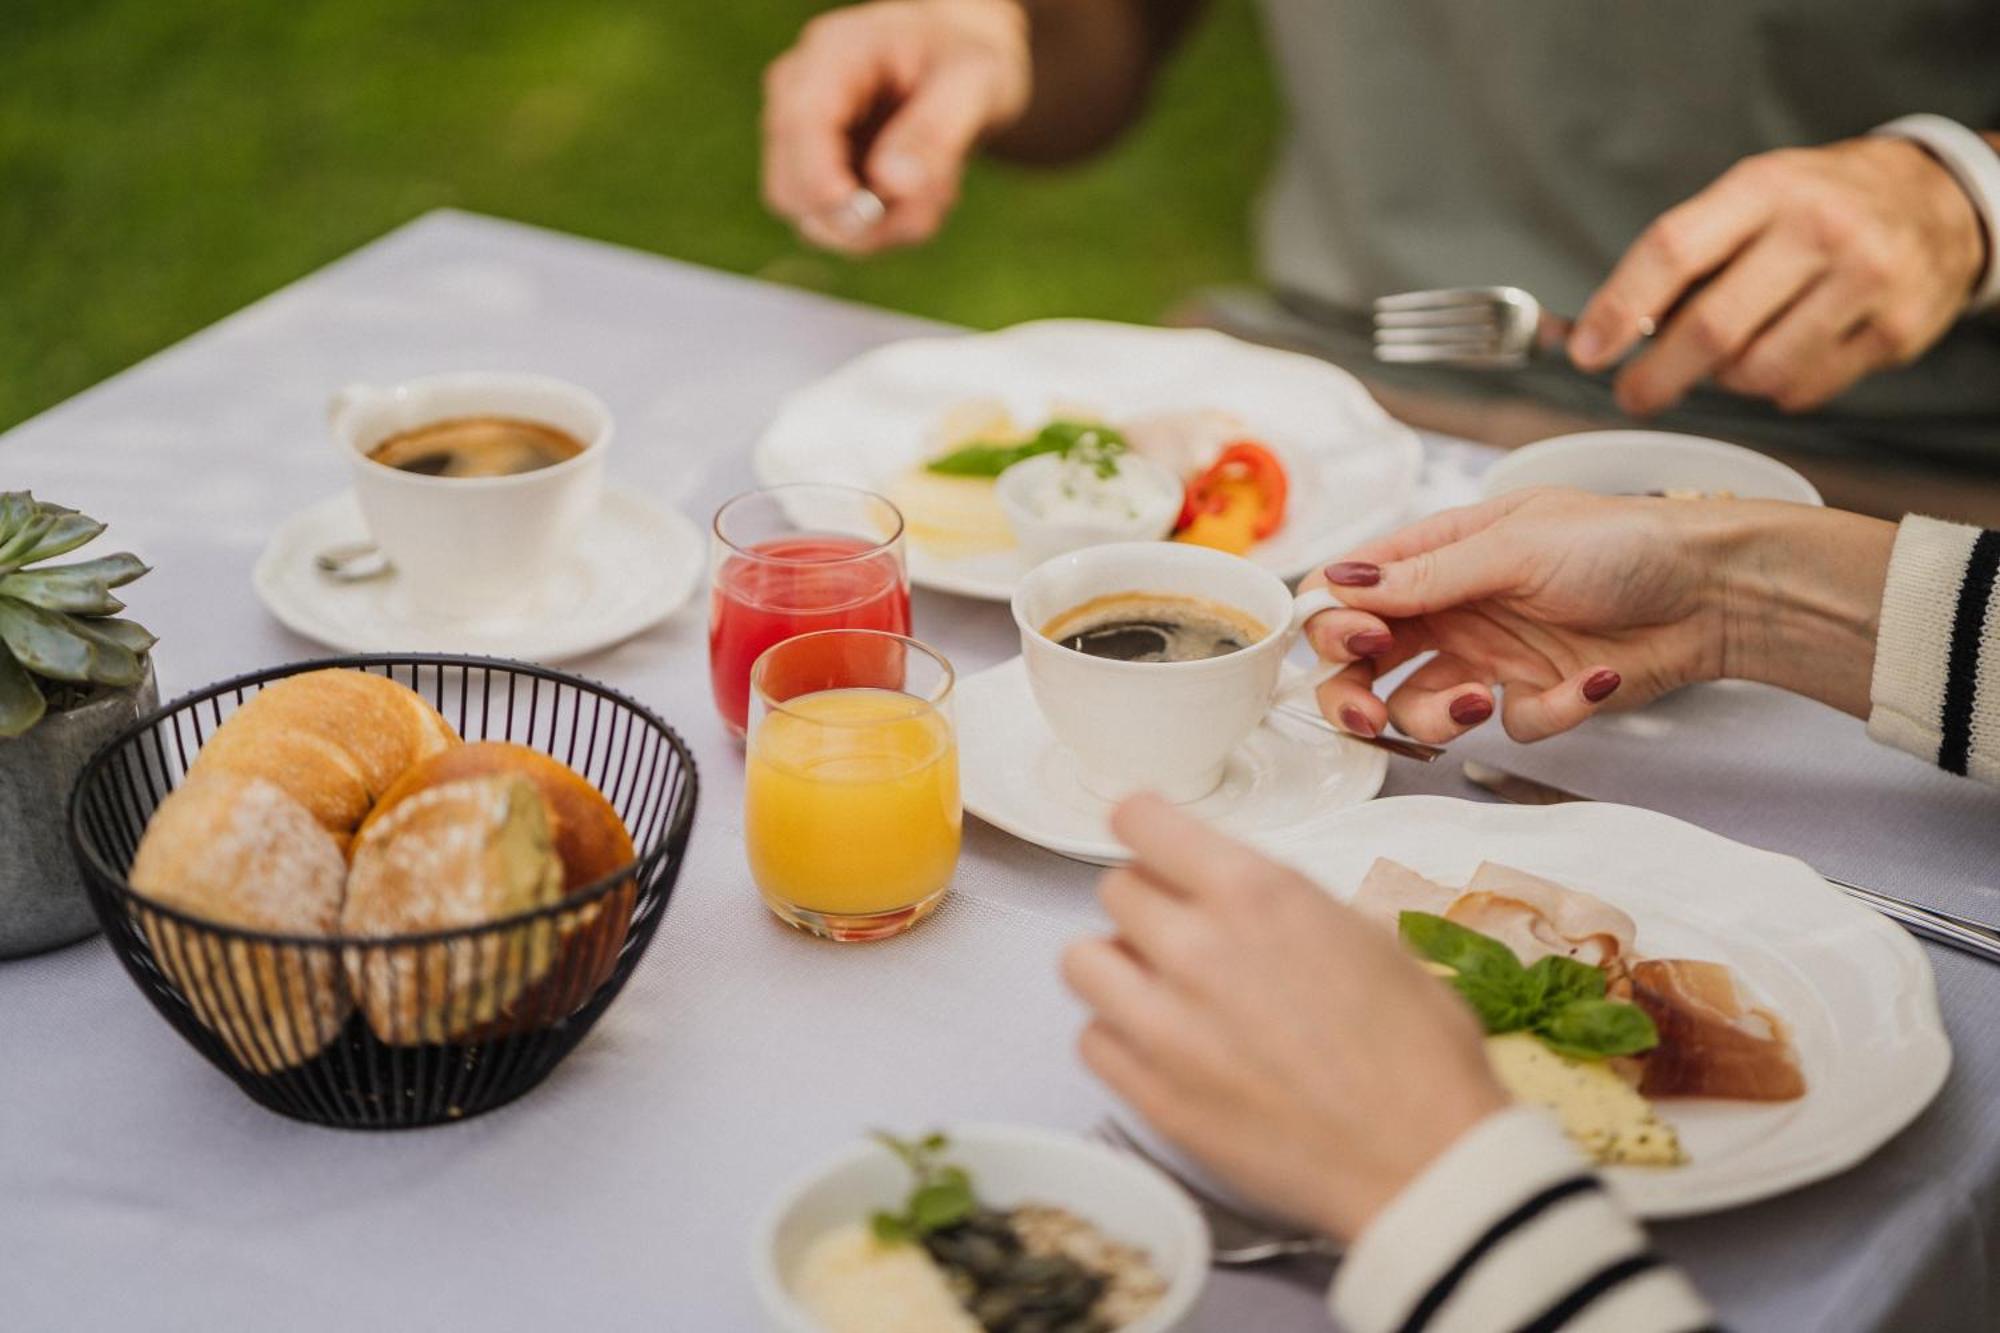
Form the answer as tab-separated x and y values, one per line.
1711	1043
1536	917
1391	888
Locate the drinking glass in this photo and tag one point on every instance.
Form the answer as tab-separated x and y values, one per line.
790	560
851	806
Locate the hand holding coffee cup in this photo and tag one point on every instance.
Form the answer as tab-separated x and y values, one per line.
1152	661
474	485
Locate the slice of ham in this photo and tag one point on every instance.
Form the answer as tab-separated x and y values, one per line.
1711	1043
1536	917
1391	888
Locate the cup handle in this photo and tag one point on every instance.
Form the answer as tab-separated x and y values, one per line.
1304	607
346	398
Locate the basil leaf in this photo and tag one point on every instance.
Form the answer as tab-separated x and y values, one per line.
1557	981
1465	951
889	1228
1598	1029
987	459
1496	998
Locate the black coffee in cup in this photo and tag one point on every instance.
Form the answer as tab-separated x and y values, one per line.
1154	627
477	447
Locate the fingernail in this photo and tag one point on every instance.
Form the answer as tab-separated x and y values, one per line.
1586	345
1469	710
1370	642
902	173
1356	721
1599	685
1354	574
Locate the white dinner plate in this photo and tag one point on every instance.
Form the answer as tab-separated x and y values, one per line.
1353	469
1853	988
1014	774
634	566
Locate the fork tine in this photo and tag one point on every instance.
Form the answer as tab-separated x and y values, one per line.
1449	316
1443	296
1458	354
1475	335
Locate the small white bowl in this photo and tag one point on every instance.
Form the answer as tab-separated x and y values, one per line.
1010	1165
1157	505
1634	462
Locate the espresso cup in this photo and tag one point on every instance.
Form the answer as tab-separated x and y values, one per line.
1156	726
471	547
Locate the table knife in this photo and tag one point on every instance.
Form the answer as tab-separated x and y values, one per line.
1957	932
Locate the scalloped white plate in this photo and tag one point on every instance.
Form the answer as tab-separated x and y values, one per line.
1353	468
1854	988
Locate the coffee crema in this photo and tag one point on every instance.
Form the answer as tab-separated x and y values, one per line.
1154	627
477	447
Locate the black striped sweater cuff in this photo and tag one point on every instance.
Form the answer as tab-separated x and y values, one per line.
1508	1230
1936	688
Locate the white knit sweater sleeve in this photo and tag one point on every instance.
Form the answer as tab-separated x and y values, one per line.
1510	1230
1936	689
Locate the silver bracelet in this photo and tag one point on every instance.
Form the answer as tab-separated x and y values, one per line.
1975	165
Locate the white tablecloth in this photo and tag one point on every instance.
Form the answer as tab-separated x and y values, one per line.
138	1188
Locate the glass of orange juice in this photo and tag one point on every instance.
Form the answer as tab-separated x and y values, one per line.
851	808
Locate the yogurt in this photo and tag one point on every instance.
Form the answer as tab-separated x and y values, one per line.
1054	504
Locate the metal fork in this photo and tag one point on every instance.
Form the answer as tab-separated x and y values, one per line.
1500	328
1463	326
1235	1238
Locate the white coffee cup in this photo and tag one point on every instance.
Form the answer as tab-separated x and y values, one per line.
467	547
1156	726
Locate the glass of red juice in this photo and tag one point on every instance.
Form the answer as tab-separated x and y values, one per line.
789	560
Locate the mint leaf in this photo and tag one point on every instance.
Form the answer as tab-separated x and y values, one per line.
1597	1029
942	1204
889	1228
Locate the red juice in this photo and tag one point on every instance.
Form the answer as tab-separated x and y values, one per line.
794	585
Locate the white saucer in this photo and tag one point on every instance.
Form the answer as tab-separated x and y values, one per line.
635	564
1286	776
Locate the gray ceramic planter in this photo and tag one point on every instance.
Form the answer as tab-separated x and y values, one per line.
42	902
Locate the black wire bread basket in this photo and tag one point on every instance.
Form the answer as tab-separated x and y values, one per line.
397	1031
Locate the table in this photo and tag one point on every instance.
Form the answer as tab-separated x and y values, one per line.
138	1188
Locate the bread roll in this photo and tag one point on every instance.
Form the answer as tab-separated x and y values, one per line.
462	854
334	740
238	851
591	841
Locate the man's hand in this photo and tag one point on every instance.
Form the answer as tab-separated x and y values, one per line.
894	96
1794	275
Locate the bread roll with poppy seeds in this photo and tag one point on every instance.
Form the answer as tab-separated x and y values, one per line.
238	851
591	841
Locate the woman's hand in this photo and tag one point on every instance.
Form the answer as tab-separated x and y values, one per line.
1574	602
1289	1045
1795	274
894	96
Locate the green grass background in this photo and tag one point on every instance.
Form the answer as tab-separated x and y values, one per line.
163	163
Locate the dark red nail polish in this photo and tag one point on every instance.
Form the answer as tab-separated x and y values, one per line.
1370	642
1356	721
1469	710
1354	574
1599	685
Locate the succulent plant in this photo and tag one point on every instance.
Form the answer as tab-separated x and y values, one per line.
59	632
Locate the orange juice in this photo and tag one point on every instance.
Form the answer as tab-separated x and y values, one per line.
851	807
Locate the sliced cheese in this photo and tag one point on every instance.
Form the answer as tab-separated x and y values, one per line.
1599	1111
951	516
